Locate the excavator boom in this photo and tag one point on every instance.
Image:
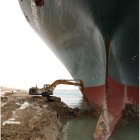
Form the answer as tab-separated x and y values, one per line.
48	89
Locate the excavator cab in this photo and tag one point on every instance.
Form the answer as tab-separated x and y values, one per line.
45	86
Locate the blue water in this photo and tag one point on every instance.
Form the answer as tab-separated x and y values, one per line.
82	129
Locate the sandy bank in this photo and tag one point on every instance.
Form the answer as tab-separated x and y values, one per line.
25	117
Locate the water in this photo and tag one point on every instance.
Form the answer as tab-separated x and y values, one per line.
79	129
82	129
71	98
126	131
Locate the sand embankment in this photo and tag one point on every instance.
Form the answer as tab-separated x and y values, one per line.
26	117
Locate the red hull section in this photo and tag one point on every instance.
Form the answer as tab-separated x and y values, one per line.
95	95
118	95
116	92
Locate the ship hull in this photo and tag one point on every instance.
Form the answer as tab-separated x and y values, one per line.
118	96
75	30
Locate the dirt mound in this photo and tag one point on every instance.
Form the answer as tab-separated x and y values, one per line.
33	117
24	118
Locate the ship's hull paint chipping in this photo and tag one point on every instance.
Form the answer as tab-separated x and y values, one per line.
75	30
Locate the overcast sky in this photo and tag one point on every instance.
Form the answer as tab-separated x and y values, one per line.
25	59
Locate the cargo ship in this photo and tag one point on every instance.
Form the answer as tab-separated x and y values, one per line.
98	42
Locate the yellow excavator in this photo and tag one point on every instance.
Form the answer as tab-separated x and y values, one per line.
47	90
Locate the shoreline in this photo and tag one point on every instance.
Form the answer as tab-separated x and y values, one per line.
35	116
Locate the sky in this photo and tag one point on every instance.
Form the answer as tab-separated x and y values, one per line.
25	60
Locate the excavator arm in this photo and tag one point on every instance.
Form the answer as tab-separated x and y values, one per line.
66	82
48	89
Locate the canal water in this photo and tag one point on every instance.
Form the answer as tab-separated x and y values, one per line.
82	129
